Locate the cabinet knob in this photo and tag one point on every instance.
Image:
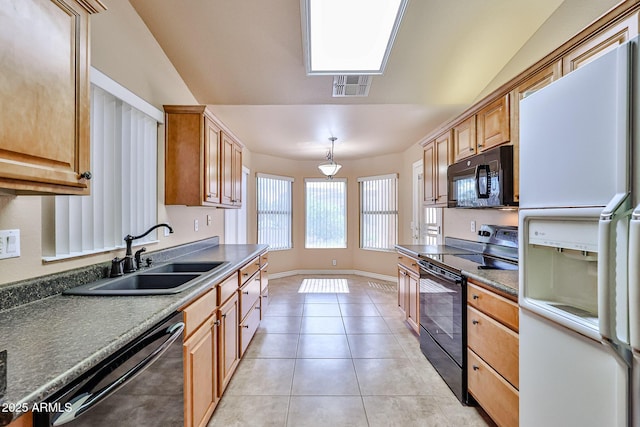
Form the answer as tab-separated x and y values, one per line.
209	196
265	296
257	307
245	326
85	175
216	323
480	145
245	292
475	296
475	322
476	367
471	149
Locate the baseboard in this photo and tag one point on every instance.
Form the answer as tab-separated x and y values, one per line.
333	272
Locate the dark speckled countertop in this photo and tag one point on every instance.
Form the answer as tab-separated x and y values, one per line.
51	341
505	281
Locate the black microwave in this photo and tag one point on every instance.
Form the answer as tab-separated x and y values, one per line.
482	181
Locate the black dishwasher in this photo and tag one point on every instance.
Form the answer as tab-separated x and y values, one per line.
141	385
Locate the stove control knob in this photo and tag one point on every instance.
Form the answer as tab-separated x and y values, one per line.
484	233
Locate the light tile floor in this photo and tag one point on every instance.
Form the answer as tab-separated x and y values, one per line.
338	359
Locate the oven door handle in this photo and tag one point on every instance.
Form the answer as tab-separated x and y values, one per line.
84	399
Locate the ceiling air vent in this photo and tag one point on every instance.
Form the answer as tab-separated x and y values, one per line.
351	85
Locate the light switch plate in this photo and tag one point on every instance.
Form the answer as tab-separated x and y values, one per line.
9	244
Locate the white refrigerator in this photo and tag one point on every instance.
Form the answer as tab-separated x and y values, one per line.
580	247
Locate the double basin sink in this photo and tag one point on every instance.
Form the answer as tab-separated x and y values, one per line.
168	278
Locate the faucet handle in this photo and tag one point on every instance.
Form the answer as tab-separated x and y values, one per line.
116	267
138	257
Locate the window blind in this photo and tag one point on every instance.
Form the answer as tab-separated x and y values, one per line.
379	212
326	213
123	196
274	208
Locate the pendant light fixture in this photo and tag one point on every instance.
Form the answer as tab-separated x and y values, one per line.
330	168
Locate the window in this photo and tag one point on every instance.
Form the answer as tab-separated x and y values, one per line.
274	211
326	213
124	193
379	212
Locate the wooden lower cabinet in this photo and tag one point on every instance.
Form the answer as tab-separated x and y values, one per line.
496	396
229	340
200	373
219	325
493	353
25	420
409	290
264	291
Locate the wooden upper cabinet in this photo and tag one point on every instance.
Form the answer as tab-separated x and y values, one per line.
600	43
200	159
493	124
536	82
231	172
212	161
45	96
464	139
435	162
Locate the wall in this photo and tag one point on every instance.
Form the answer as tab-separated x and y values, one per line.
351	258
571	17
123	49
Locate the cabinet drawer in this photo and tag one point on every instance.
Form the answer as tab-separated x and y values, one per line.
264	259
496	396
198	311
409	263
496	306
249	294
249	270
227	288
495	343
248	327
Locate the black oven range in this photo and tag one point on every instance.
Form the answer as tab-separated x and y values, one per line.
443	296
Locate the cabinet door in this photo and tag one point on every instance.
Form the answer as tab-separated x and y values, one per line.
44	126
464	139
413	306
212	162
493	124
236	173
226	170
430	174
600	44
443	143
200	374
534	83
229	341
403	289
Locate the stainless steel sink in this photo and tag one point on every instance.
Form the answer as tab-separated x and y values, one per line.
186	267
168	278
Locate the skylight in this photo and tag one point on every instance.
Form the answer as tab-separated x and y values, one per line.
349	36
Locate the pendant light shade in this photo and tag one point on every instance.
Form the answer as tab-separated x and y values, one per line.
330	167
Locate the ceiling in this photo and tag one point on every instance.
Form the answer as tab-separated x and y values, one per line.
244	59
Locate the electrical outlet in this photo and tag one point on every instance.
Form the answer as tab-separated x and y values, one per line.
209	220
473	226
334	262
195	225
166	232
9	244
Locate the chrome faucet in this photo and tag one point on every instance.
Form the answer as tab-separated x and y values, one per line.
129	267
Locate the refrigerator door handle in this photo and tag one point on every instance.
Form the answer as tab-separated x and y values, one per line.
634	279
618	207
